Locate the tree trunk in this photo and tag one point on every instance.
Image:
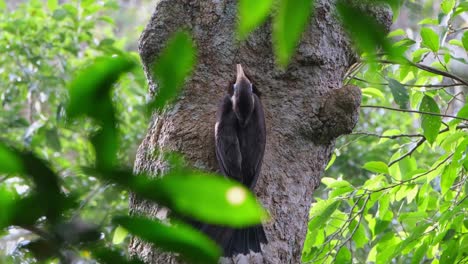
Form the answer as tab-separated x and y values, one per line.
305	111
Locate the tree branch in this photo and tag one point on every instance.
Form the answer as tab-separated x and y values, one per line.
412	111
429	69
420	142
414	178
382	136
412	85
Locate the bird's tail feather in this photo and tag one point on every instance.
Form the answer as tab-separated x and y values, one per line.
236	241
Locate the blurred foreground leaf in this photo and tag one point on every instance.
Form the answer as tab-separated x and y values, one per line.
288	26
109	256
192	244
367	34
90	89
175	63
206	197
251	14
49	198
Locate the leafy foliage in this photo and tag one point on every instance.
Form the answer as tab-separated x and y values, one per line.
408	201
395	191
92	111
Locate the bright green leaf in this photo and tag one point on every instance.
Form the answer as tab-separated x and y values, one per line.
179	237
366	32
52	4
376	166
94	83
175	63
465	40
359	237
205	197
251	14
456	42
10	162
120	234
396	33
447	6
372	92
288	24
343	256
321	212
430	39
330	163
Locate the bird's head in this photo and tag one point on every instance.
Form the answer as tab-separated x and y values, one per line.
242	99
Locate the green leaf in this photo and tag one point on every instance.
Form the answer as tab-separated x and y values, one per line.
181	238
321	212
429	21
175	63
90	89
108	256
396	33
372	92
359	237
449	253
465	40
53	139
251	15
419	253
450	173
343	256
447	6
463	113
430	123
399	92
120	234
205	197
430	39
376	166
366	32
406	166
10	161
330	163
456	42
59	14
52	4
288	24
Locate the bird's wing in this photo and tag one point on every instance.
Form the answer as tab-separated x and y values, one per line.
227	144
253	141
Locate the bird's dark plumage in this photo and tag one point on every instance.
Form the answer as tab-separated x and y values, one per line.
240	144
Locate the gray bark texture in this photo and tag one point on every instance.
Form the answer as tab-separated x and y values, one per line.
306	109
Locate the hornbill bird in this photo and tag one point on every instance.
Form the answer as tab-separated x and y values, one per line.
240	144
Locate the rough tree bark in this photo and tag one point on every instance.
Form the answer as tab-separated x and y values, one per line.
306	108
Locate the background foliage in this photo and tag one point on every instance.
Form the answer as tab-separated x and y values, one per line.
73	102
396	189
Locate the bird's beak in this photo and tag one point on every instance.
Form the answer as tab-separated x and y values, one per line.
240	73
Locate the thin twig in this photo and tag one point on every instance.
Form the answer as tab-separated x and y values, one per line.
429	69
453	31
412	85
382	136
355	228
420	142
412	111
414	178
